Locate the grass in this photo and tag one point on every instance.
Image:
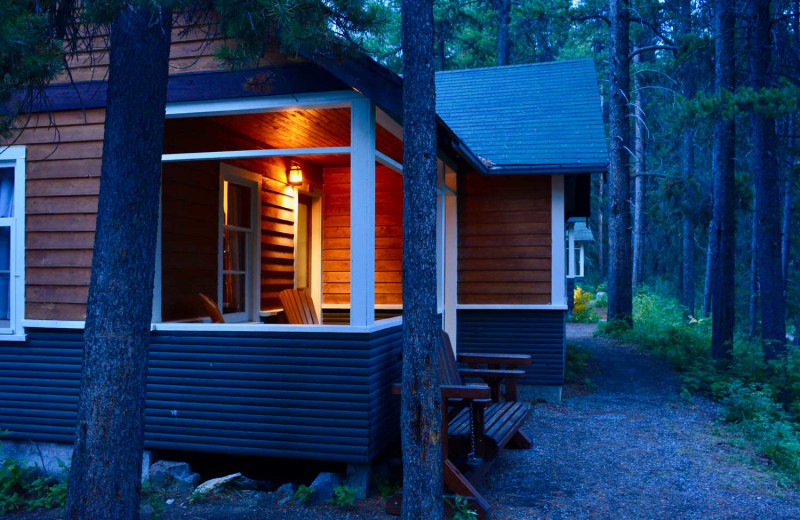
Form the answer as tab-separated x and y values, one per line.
760	400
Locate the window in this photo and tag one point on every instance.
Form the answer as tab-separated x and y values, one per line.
238	245
12	239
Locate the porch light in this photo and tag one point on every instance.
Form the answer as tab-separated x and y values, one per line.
295	175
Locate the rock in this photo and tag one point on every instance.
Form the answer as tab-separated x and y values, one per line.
260	495
323	487
246	483
286	489
358	479
215	484
284	500
173	476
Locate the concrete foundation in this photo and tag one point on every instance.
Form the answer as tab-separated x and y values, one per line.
549	394
53	458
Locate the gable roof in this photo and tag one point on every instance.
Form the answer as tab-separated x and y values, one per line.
536	118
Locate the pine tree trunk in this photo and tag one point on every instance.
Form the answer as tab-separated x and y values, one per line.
752	326
709	274
767	187
105	477
724	248
688	89
639	193
503	8
601	226
421	408
620	294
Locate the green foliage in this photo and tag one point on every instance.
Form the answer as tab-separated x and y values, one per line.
760	400
386	487
25	488
303	494
343	496
461	510
577	360
582	311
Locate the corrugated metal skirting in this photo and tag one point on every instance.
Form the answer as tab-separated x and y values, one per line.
312	396
539	333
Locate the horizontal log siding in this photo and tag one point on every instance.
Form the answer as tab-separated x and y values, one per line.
63	180
538	333
504	239
336	236
323	397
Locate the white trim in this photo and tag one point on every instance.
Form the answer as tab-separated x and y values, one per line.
451	260
157	277
502	307
53	324
14	157
558	280
388	162
571	254
362	213
386	121
581	264
254	154
316	254
338	99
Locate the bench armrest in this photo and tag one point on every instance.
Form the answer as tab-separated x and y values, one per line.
469	392
492	375
494	359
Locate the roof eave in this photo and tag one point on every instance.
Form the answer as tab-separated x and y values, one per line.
547	169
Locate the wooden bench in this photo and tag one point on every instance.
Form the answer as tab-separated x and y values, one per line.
480	423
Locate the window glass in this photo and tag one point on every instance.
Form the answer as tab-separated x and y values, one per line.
237	205
6	192
234	293
5	275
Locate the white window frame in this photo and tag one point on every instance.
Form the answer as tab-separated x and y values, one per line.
14	157
234	175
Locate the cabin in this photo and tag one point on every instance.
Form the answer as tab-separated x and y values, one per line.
289	176
579	236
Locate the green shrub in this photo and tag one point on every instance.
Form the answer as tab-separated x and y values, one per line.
303	494
582	311
343	496
461	510
577	360
25	488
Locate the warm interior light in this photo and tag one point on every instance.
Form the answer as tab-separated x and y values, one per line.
295	175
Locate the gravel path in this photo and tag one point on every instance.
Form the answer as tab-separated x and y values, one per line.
632	449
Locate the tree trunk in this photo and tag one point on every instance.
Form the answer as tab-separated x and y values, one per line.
503	8
640	181
421	402
688	89
601	234
767	187
752	326
105	477
724	248
620	294
708	277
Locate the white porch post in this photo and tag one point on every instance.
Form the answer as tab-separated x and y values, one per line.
580	264
571	257
450	260
362	213
558	282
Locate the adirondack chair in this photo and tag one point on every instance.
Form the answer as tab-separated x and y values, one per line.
480	423
299	307
211	308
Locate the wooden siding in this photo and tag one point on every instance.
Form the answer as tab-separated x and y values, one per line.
324	397
336	236
504	239
538	333
189	237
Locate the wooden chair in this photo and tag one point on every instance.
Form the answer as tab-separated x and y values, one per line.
211	309
480	423
299	307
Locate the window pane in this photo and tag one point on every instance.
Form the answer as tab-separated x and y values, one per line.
234	293
237	205
5	274
235	253
6	192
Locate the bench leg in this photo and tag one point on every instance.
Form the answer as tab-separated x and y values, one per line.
520	441
456	482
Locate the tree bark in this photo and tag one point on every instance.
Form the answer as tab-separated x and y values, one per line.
724	248
503	8
767	187
620	294
421	402
105	477
752	326
640	181
709	266
688	89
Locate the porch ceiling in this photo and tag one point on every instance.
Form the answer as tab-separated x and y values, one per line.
276	130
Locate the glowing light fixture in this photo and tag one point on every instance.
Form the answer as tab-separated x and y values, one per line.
295	175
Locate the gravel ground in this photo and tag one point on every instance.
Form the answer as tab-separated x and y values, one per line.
632	449
624	447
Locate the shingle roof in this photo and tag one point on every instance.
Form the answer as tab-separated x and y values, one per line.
527	118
